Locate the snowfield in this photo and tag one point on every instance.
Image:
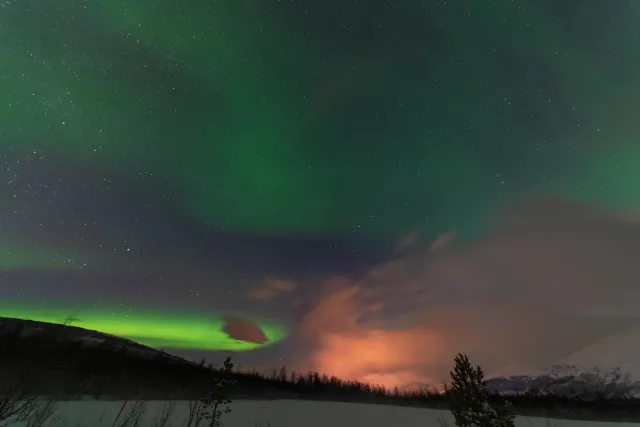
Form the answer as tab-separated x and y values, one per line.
286	413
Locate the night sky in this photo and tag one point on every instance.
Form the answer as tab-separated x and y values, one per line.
361	187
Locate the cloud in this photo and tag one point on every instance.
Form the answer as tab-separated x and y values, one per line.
551	277
408	240
243	330
442	240
271	288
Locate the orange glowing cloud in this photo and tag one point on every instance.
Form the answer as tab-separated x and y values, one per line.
553	277
351	347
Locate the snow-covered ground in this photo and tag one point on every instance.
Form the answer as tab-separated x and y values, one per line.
288	413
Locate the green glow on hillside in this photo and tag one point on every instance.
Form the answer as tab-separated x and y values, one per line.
154	328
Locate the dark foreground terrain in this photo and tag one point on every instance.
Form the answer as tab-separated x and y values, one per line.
66	363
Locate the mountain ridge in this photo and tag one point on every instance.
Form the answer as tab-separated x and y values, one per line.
90	338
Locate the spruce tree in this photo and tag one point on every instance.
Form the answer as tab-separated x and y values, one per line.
469	401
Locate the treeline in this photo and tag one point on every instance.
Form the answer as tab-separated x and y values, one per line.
67	370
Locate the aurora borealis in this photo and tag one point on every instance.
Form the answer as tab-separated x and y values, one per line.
182	330
266	159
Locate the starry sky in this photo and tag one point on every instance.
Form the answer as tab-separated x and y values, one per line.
343	180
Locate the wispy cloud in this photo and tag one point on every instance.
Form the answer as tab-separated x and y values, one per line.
442	240
271	288
408	240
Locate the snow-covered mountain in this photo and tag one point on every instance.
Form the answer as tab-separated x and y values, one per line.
566	377
517	371
618	351
597	367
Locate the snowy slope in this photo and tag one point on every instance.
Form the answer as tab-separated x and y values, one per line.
620	350
89	338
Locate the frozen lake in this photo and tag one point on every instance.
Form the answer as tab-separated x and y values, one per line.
286	413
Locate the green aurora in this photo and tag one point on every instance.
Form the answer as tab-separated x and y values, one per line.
154	328
253	119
